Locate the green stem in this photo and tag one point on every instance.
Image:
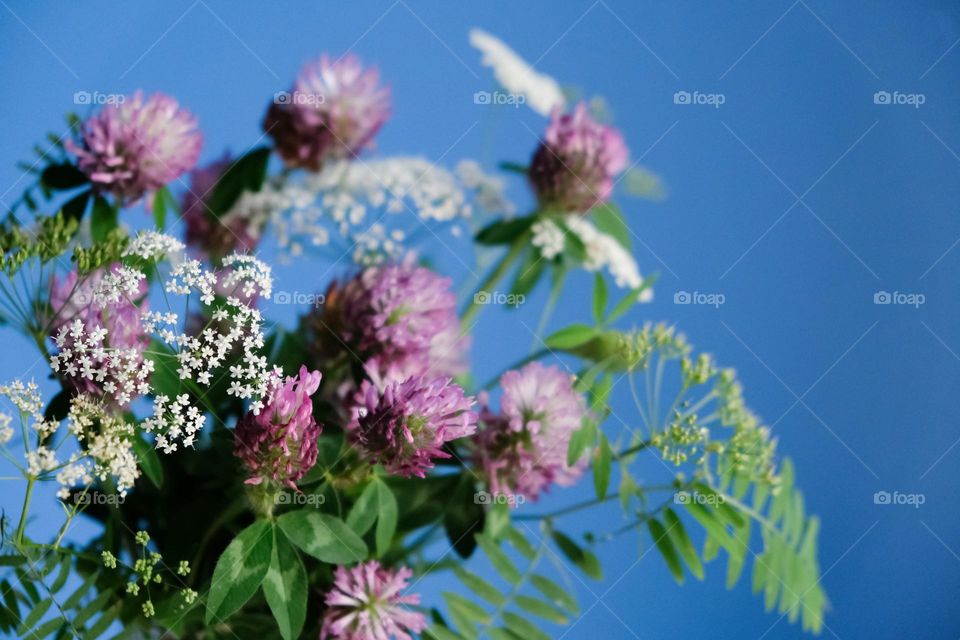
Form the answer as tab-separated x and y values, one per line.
631	450
556	288
25	508
495	275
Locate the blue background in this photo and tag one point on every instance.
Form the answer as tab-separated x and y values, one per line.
862	395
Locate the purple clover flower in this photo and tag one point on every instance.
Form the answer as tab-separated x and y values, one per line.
365	603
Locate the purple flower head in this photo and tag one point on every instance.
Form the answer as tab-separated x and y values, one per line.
333	111
73	299
574	167
365	604
400	318
404	423
136	146
280	443
205	233
523	449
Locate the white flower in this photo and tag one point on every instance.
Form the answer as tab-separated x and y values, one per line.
488	189
549	238
514	74
153	245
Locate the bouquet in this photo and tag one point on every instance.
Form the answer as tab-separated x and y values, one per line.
253	479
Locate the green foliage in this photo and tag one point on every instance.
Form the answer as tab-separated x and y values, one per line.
516	609
240	571
285	587
323	536
38	604
46	240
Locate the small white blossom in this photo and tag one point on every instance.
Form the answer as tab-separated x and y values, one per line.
153	245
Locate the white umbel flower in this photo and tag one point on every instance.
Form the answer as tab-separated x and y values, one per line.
514	74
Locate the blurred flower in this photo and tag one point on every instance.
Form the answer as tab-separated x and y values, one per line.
523	449
137	146
280	443
403	424
400	317
574	167
365	604
96	326
542	92
206	233
333	111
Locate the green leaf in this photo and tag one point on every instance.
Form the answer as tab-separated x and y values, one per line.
643	183
61	177
665	546
570	337
285	587
601	467
364	511
503	564
323	537
74	208
103	220
504	231
528	274
160	200
540	608
608	218
513	167
683	543
247	173
239	571
630	299
599	298
497	520
463	609
34	617
583	558
149	460
523	628
480	587
386	518
580	439
555	593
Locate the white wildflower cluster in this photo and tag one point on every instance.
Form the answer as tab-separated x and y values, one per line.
82	355
106	448
6	431
246	276
488	189
174	421
357	203
120	283
153	245
514	74
603	251
190	275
